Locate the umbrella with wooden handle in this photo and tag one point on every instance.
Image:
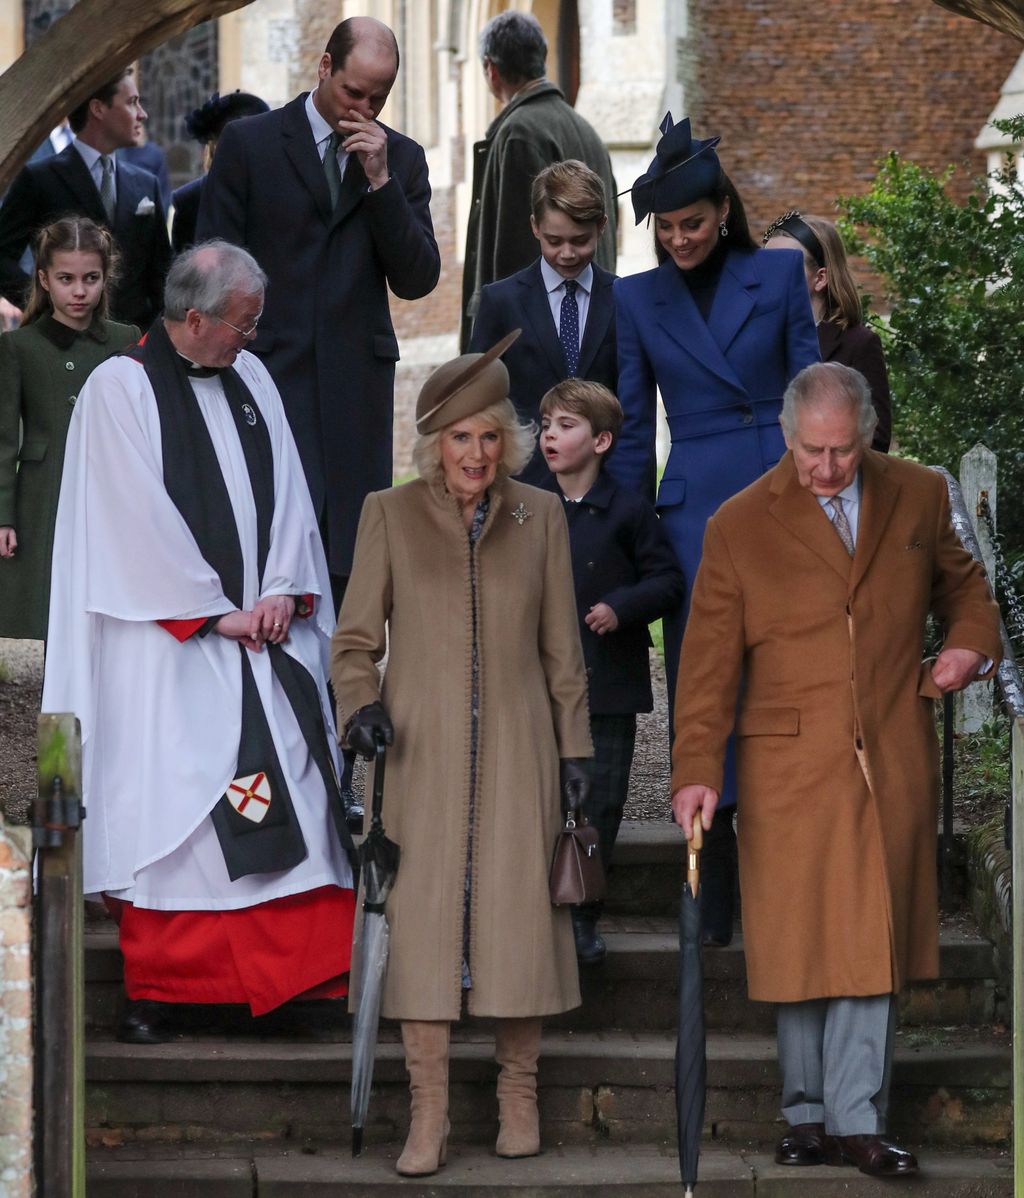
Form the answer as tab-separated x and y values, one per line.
691	1058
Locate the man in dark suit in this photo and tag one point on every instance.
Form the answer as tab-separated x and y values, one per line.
535	128
569	215
335	207
86	179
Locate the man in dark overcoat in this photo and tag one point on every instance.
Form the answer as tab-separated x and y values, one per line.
335	207
535	128
87	179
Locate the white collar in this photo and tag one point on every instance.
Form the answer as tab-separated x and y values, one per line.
849	495
89	154
553	280
321	129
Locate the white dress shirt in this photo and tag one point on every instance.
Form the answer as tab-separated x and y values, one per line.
322	135
851	505
555	286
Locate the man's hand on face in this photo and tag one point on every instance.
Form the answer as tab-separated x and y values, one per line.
366	139
955	668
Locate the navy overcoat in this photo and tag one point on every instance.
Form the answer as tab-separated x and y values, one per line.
721	381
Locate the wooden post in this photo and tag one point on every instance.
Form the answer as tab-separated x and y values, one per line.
1017	891
60	994
973	706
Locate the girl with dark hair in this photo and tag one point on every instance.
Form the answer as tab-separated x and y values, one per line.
720	328
64	335
842	334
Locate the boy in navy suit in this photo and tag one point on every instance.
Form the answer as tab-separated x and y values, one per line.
562	302
626	575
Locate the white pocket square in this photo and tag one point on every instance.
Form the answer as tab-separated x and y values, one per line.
146	207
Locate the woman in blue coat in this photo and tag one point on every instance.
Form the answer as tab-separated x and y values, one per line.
719	327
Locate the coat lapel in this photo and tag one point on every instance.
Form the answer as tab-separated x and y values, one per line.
301	150
599	316
538	312
734	299
878	496
129	193
74	174
800	513
679	318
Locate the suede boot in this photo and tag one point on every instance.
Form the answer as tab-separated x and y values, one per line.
426	1058
516	1049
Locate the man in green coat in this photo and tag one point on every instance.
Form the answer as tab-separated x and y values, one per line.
535	128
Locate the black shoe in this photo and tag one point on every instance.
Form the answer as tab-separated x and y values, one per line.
145	1022
873	1155
590	945
804	1144
353	810
716	940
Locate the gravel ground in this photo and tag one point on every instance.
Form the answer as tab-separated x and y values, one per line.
21	672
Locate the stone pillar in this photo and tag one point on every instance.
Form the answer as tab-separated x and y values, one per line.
15	1013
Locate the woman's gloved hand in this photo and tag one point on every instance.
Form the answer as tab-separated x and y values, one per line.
574	773
364	725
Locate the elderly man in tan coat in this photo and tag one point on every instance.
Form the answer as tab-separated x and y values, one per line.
810	609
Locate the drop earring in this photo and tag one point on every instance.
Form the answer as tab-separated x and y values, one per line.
723	229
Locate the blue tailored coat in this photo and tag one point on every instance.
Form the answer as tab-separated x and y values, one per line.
721	382
536	362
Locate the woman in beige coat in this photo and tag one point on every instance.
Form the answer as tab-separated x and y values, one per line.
464	577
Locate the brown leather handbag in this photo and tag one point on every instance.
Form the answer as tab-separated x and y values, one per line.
577	875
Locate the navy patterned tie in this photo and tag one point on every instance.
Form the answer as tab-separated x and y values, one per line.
569	327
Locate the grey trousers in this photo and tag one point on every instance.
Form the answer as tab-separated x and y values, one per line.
835	1055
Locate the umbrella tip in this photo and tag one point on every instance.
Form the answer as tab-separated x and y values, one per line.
357	1141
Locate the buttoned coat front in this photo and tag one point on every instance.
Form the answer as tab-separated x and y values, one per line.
43	366
836	747
411	592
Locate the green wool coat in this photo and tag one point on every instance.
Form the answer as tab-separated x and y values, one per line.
410	592
43	367
536	128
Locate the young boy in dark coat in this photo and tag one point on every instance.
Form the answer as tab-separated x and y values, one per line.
562	302
626	575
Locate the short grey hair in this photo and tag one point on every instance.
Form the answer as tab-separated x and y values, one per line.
515	43
832	384
518	441
206	276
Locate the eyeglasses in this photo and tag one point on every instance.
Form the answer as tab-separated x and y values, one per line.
246	333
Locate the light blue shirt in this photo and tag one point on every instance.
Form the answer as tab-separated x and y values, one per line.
851	505
322	135
92	159
555	286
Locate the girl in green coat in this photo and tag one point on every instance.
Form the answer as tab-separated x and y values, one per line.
64	335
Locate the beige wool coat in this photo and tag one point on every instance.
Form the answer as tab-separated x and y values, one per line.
410	593
836	747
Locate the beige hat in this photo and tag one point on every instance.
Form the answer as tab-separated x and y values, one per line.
463	387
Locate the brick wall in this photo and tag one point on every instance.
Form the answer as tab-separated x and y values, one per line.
15	1021
808	97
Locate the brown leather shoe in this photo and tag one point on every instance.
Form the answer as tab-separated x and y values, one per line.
873	1155
803	1144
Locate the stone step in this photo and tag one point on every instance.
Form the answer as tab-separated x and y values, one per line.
637	986
563	1171
949	1088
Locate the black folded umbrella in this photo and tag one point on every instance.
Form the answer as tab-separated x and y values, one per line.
378	858
691	1057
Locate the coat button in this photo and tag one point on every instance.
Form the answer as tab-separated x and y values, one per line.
590	671
747	413
69	365
71	400
859	743
590	565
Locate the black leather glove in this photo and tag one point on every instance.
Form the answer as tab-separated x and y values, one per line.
574	774
364	725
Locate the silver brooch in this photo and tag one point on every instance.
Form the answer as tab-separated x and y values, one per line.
521	515
249	414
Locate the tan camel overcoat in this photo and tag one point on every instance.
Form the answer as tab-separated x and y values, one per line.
836	746
411	584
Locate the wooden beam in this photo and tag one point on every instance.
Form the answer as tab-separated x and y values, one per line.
1005	15
92	42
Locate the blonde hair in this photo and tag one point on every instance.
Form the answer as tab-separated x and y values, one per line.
841	297
517	442
63	236
572	188
593	401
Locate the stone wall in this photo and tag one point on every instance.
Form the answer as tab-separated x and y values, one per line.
15	1018
808	98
